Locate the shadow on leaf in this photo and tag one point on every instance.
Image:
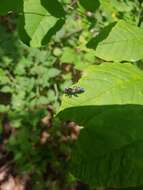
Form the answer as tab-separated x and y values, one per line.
53	7
93	43
108	152
53	31
21	28
90	5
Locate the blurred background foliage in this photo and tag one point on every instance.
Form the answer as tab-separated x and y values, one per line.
32	81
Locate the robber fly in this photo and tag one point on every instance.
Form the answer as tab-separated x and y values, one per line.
74	91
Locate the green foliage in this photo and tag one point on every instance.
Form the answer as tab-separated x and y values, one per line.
29	78
31	81
77	36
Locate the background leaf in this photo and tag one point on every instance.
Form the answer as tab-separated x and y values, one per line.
121	42
38	23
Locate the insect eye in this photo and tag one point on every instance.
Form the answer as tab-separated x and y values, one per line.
82	90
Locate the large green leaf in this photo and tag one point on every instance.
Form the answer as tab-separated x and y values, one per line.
109	150
40	21
119	42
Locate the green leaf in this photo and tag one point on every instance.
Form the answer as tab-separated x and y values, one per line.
42	100
69	56
10	5
39	22
3	77
119	42
122	6
57	51
18	102
108	84
51	96
6	89
112	6
53	72
20	69
16	123
4	108
108	152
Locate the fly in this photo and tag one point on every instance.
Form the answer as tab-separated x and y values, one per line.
74	91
